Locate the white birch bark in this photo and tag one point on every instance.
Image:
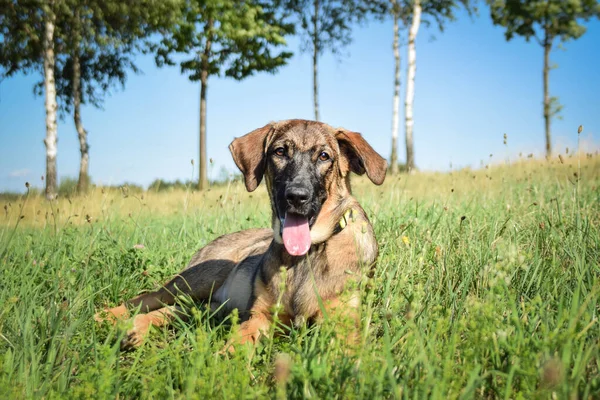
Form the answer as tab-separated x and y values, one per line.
50	103
410	84
396	101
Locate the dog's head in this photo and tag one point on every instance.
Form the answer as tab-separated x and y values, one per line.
306	165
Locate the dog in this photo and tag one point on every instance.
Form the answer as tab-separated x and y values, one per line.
320	237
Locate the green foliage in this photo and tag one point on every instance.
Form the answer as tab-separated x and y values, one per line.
224	178
159	185
333	21
439	12
67	186
21	29
443	11
226	37
554	18
401	167
104	35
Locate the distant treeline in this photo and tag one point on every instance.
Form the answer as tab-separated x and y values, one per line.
68	186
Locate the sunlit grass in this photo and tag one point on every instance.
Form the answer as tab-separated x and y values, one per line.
487	285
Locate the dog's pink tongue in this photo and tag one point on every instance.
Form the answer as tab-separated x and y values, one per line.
296	234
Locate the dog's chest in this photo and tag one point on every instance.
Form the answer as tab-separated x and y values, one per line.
304	286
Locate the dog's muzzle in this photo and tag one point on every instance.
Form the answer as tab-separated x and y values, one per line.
296	219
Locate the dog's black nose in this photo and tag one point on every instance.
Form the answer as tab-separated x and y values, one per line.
297	196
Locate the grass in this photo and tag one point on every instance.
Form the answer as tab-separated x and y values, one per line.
487	286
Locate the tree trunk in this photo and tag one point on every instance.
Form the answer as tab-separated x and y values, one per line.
82	183
396	102
50	102
547	101
315	59
202	176
410	84
202	172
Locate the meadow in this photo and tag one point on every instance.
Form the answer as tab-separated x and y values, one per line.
487	286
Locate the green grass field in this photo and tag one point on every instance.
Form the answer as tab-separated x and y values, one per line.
487	286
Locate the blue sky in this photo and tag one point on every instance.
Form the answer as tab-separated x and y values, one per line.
471	87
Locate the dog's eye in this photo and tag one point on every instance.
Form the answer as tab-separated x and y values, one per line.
323	156
280	151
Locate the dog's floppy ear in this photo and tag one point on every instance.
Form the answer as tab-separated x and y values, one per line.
248	153
361	156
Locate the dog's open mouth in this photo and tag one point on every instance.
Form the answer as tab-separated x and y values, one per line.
296	234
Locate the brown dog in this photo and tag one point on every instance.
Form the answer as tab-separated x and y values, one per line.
320	235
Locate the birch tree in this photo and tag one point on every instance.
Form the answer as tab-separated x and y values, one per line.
50	100
547	22
438	11
411	71
224	37
28	31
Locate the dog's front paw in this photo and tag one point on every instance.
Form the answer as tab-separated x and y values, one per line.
228	349
135	336
240	339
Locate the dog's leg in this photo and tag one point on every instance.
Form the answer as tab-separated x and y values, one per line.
252	329
346	308
198	282
146	302
142	323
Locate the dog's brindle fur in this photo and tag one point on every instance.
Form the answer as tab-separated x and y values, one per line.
306	166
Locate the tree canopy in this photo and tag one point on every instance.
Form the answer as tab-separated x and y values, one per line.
238	38
532	19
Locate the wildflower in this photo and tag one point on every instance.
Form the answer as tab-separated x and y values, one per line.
406	240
